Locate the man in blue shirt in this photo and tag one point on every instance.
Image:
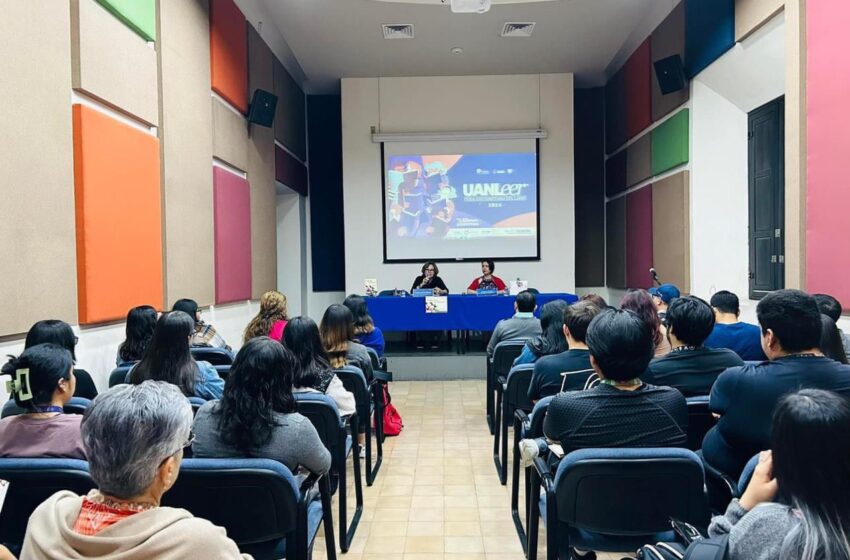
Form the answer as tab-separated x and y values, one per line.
744	397
742	338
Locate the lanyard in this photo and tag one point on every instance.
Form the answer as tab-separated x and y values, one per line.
49	408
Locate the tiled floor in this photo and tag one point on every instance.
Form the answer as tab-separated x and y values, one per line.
437	495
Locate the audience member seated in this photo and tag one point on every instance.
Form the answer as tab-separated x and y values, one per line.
742	338
270	319
257	415
430	279
551	340
337	331
690	367
60	332
141	322
662	296
641	303
808	469
203	334
831	345
314	373
622	411
42	383
523	325
745	397
596	300
168	358
365	331
487	280
546	379
134	438
832	307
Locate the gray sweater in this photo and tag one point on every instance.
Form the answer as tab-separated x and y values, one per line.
520	326
294	441
755	535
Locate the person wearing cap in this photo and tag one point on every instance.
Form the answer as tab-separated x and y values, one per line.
662	296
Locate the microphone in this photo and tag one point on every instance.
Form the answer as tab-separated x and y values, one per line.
654	274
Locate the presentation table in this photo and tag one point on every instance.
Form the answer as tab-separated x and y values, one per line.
465	312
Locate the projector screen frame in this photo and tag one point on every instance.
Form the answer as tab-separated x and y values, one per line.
457	259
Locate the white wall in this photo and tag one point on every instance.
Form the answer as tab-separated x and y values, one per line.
449	104
292	249
719	202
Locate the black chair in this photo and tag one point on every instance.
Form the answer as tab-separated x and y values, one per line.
504	355
259	503
700	421
511	394
31	481
526	426
378	364
332	429
196	402
77	405
119	375
613	500
215	356
355	382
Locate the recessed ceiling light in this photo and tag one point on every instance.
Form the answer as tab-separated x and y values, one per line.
457	50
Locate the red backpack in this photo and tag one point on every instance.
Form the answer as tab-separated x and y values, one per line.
392	419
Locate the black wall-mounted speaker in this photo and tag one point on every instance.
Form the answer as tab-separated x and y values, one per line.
670	73
262	108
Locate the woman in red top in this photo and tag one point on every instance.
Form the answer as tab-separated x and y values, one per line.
487	281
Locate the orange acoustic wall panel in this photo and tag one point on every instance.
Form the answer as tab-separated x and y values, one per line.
119	217
229	53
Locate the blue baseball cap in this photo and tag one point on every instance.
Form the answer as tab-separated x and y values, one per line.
667	292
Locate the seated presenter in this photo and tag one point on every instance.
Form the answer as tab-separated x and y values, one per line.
430	280
487	281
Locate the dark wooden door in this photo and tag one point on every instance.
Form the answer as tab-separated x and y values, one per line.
767	198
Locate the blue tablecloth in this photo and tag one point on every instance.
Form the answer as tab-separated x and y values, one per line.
465	312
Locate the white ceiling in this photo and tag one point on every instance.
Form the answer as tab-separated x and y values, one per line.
321	41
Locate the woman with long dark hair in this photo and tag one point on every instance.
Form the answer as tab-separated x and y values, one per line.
42	382
141	322
60	333
337	330
552	339
168	358
314	373
807	471
365	331
640	302
830	340
257	416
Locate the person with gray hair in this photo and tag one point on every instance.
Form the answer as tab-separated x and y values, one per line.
134	437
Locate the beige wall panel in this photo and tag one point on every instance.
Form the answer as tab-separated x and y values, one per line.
795	144
752	14
230	135
113	63
671	230
186	134
37	241
261	174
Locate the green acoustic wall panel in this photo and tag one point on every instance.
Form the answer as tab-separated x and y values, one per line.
139	15
670	143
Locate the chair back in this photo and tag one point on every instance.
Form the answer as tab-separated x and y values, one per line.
354	381
119	375
196	402
223	371
322	412
516	393
32	481
700	421
632	491
537	416
747	474
255	500
504	355
373	356
215	356
77	405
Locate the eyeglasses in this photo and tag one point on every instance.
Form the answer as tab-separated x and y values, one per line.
189	441
430	270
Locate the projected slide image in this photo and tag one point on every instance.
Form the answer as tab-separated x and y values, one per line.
459	198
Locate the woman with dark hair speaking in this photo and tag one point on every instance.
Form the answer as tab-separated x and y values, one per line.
60	332
141	322
808	471
257	415
487	280
430	279
168	358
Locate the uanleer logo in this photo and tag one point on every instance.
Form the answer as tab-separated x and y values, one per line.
493	189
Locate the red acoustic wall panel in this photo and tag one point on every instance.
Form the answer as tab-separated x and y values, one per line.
638	90
229	53
232	211
827	194
639	237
